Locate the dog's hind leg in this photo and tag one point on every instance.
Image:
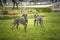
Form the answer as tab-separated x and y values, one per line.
17	26
41	22
34	23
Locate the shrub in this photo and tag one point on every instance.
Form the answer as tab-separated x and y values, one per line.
8	17
43	9
5	12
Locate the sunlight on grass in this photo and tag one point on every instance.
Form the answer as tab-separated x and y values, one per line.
49	31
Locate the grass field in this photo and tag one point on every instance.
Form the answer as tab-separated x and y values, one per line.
49	31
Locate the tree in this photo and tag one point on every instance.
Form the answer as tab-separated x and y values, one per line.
20	0
4	1
15	2
2	4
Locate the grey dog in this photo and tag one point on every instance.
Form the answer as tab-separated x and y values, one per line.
38	19
23	21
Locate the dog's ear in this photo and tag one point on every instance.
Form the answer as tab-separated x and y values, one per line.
22	15
38	15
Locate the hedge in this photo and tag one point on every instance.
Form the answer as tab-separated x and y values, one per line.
43	9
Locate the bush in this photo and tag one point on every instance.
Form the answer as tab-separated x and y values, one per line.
5	12
43	9
8	17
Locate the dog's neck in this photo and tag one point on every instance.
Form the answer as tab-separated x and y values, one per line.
26	18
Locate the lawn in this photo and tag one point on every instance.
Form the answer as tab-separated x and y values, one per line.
49	31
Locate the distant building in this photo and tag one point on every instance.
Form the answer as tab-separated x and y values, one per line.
56	6
54	1
37	0
34	2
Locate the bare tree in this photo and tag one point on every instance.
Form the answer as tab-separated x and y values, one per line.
15	2
2	4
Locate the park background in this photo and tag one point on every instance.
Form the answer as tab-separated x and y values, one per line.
47	8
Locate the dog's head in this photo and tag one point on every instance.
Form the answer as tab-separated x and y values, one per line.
36	15
24	15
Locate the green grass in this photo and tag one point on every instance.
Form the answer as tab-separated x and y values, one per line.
49	31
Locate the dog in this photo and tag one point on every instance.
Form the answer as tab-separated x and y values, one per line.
23	21
38	19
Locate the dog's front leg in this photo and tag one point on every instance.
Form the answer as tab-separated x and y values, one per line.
25	27
13	26
37	24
